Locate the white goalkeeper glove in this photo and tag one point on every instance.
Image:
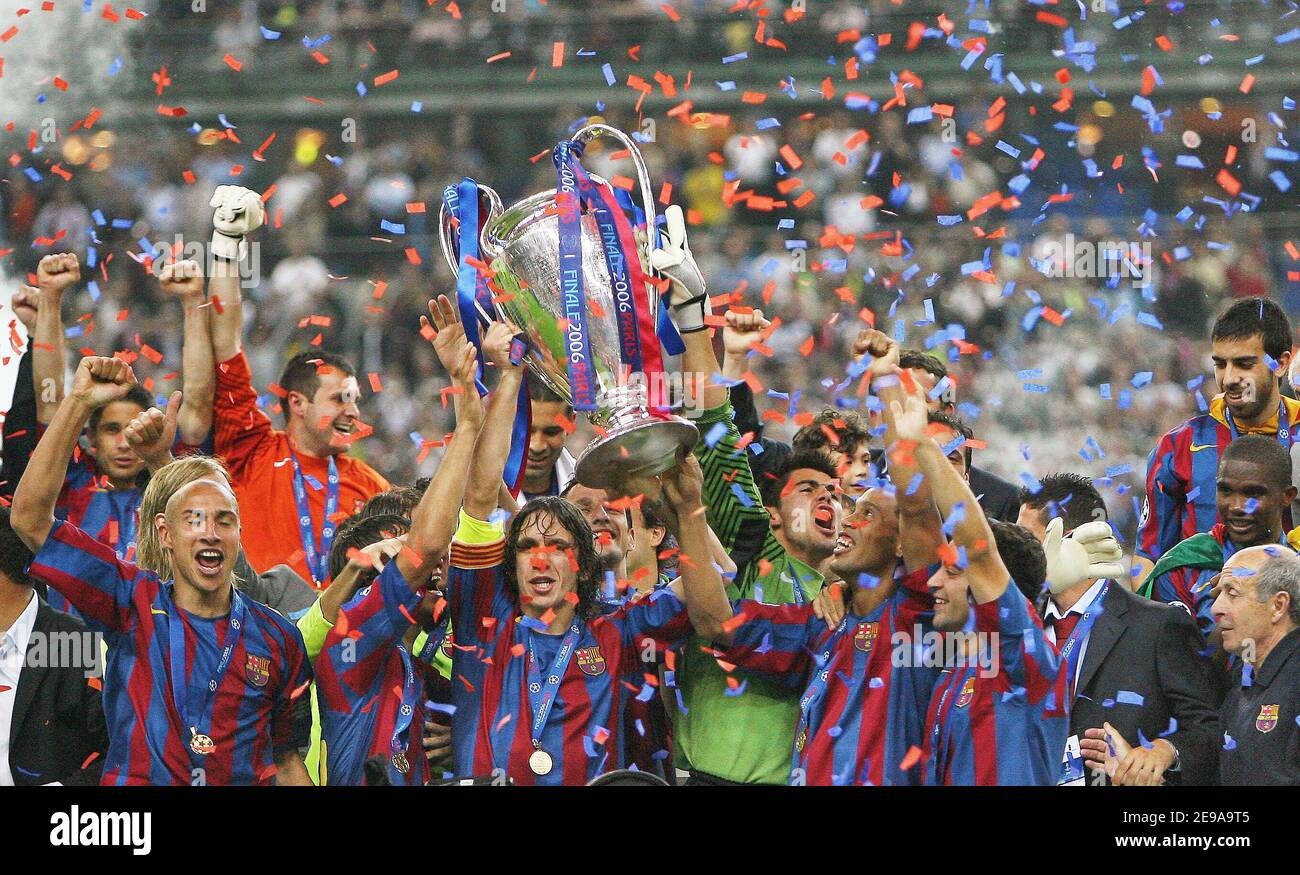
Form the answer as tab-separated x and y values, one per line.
1089	553
686	296
239	211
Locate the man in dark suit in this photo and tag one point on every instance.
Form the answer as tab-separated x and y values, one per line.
1130	662
52	727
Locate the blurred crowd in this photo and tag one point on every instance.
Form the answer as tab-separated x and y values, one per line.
1040	386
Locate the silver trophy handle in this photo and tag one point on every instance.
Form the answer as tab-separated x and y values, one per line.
445	232
591	132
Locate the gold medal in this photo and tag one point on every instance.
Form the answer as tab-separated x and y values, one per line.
401	763
202	744
801	740
541	763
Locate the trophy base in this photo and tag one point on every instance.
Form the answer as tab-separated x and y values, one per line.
637	445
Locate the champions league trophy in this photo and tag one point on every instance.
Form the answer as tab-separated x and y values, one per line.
554	307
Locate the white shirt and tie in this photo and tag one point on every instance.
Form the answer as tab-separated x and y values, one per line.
13	654
1080	607
1050	616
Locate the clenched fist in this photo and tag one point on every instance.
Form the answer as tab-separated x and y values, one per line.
742	331
882	348
100	380
182	279
56	273
239	212
26	303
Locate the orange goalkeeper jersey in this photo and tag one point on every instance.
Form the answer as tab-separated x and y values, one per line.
258	458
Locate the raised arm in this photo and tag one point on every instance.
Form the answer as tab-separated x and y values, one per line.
343	587
987	575
98	381
689	305
920	528
433	522
54	276
743	331
239	212
183	281
679	502
489	458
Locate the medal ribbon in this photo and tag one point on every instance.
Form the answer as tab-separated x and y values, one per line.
1283	435
942	734
817	686
1072	647
406	713
183	695
541	701
317	557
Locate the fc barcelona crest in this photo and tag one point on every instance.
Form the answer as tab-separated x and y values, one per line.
591	661
967	693
257	670
447	645
865	637
1267	718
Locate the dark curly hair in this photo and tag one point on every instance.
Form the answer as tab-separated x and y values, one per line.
1022	555
567	515
849	426
772	486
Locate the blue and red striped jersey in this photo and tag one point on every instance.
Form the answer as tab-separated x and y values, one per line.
649	729
1005	722
585	733
861	710
250	716
90	503
366	680
1181	477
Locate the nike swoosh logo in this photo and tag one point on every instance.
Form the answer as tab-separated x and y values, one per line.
1196	448
156	611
